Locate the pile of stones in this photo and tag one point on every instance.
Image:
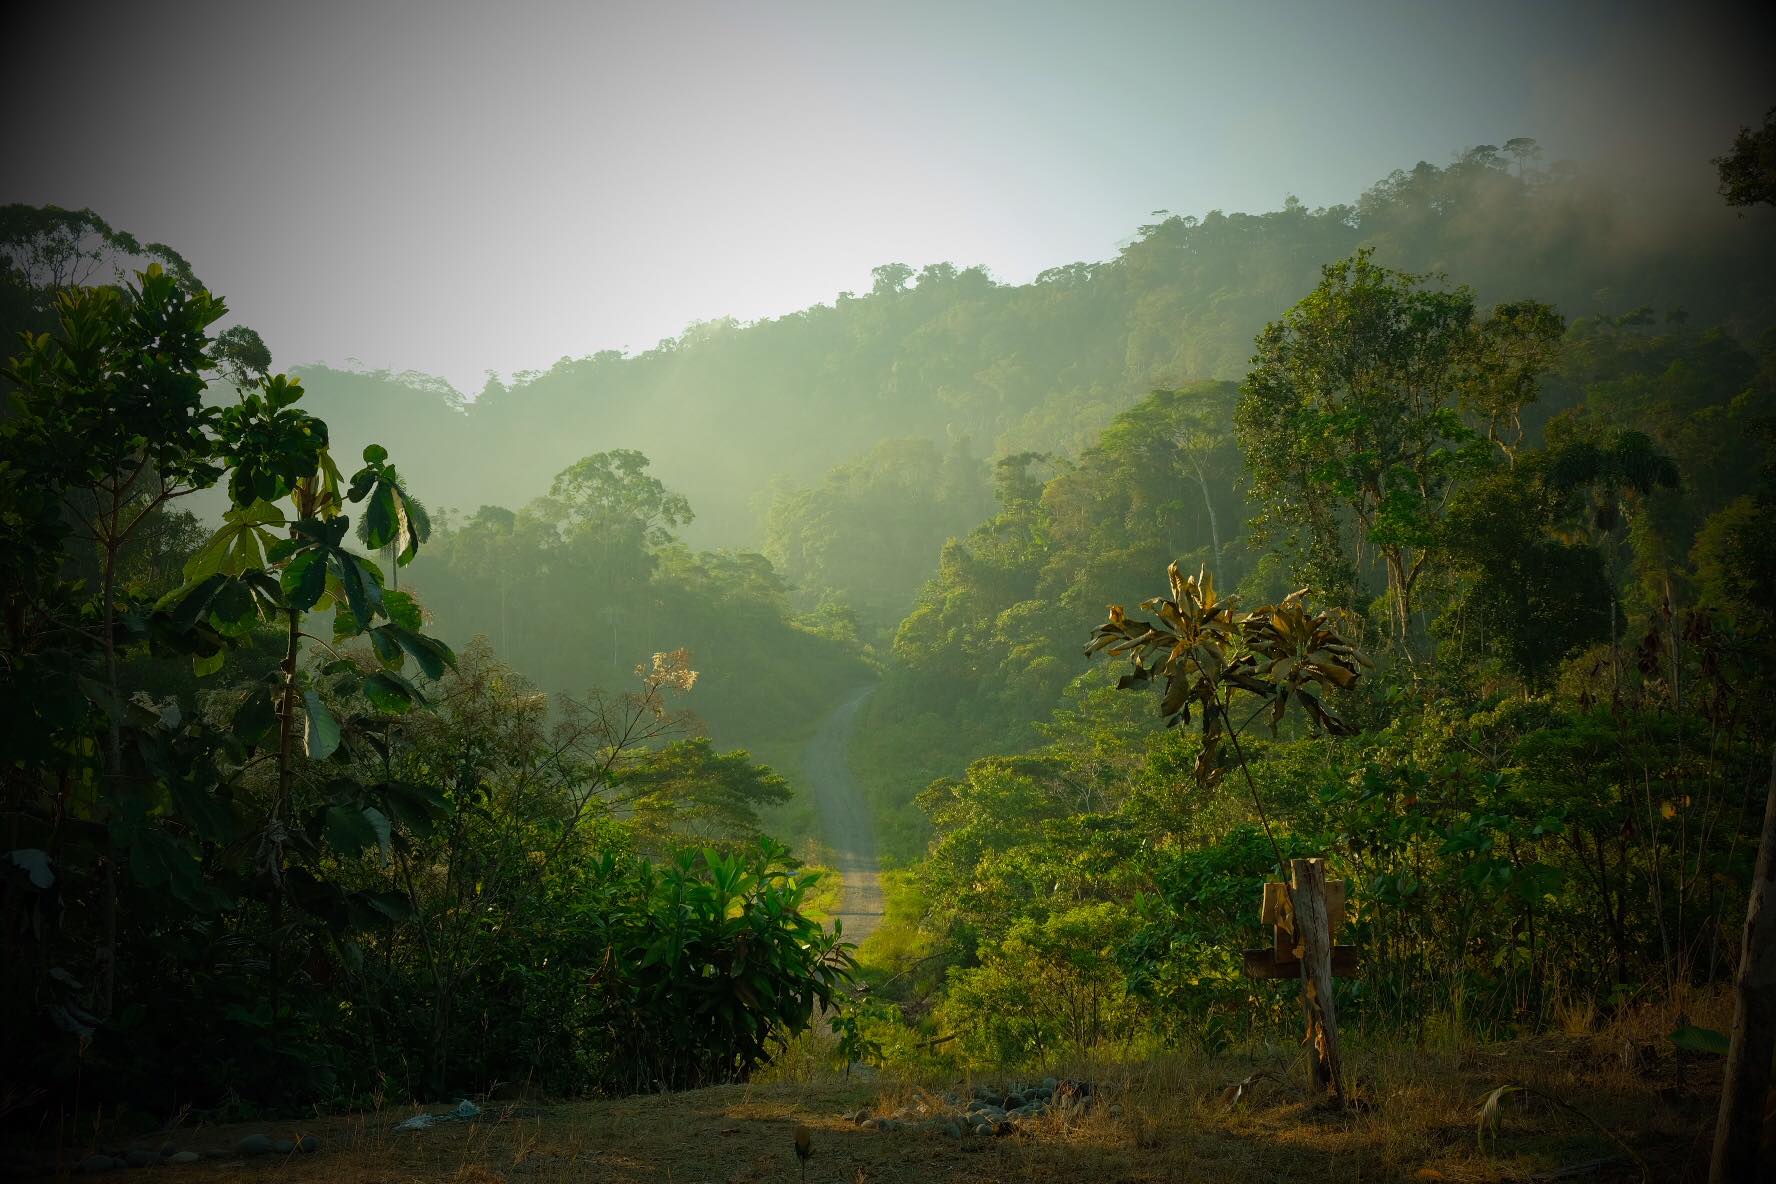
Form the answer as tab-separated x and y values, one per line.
989	1110
154	1154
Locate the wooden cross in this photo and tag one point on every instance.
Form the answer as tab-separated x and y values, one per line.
1306	914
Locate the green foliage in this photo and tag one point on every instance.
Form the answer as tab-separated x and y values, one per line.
299	877
1748	172
579	586
948	353
1349	411
864	537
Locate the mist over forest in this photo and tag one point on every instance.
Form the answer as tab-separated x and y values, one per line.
1293	696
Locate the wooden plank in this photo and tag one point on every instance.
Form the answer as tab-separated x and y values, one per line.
1264	964
1285	946
1276	904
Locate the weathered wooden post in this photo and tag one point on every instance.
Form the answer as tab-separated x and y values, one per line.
1739	1130
1306	915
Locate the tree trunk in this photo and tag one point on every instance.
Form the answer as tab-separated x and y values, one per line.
1209	506
1743	1096
280	807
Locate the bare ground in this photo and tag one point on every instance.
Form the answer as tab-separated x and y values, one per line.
1173	1123
846	831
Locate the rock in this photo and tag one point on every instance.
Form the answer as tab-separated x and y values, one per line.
1049	1084
863	1116
983	1129
283	1146
168	1149
308	1144
1013	1101
141	1157
254	1145
183	1157
98	1163
952	1129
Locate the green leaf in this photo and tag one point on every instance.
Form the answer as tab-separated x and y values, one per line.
416	807
390	692
381	518
375	454
203	665
1694	1039
393	905
348	831
184	606
430	656
208	815
388	649
232	611
357	596
320	736
256	715
304	579
237	544
380	824
402	609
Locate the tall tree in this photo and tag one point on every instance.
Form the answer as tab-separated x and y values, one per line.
1350	409
1748	172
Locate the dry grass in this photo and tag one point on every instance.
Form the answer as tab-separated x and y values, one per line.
1414	1119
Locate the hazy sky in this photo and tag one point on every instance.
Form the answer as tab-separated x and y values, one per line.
458	187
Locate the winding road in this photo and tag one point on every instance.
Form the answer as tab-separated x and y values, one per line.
844	818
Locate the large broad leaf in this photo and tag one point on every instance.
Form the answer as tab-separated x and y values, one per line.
320	735
209	816
256	716
380	824
238	545
304	579
402	609
382	517
390	692
186	604
233	612
362	583
431	655
388	650
37	866
349	832
416	807
1694	1039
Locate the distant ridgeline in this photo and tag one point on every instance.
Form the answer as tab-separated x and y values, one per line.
952	356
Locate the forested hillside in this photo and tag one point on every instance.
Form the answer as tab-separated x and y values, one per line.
848	441
948	353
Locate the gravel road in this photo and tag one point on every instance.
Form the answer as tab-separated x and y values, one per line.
844	817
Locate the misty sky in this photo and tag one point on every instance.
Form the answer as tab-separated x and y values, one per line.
457	187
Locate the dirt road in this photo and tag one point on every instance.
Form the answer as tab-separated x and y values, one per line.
844	818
